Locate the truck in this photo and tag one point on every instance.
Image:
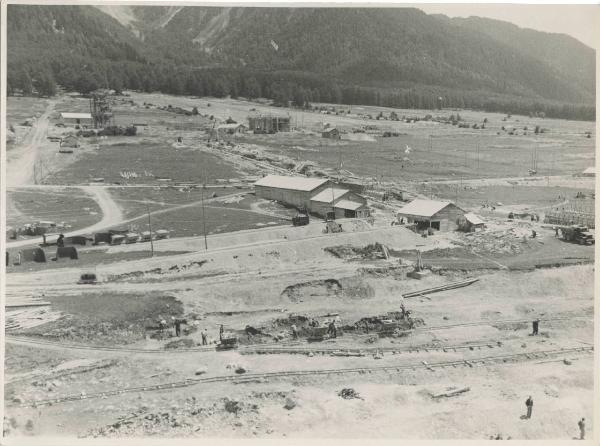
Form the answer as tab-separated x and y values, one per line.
301	219
332	226
578	234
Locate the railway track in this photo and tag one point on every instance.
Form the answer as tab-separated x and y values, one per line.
517	357
280	346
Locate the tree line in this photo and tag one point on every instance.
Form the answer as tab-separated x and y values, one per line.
284	88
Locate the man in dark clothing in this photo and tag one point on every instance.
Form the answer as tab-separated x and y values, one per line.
221	331
529	405
60	241
177	327
332	330
536	325
581	425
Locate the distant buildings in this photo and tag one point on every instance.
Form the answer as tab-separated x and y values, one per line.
231	129
317	195
83	119
269	124
331	133
589	172
438	215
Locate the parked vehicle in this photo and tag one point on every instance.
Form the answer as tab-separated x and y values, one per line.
578	234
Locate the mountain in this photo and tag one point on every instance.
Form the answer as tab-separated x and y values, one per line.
351	54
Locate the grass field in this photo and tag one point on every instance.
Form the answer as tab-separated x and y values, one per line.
133	200
188	221
71	206
18	109
468	196
106	318
148	160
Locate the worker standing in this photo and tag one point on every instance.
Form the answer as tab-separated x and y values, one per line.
221	331
556	232
536	326
403	309
294	331
204	337
332	329
177	327
529	405
581	425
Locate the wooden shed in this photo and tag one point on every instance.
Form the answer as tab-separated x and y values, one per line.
438	215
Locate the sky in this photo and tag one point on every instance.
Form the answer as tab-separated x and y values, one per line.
579	21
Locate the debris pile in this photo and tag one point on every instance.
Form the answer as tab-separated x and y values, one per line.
349	393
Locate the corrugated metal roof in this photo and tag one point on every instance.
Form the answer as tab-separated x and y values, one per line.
348	204
474	219
294	183
76	115
423	208
330	194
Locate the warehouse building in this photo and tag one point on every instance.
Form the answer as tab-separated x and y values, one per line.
438	215
292	191
345	203
84	119
317	195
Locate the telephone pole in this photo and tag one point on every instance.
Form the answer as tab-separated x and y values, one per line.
150	228
203	217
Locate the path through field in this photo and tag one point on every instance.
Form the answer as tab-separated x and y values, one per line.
111	213
25	157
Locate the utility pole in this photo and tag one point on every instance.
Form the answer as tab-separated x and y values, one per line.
150	228
203	217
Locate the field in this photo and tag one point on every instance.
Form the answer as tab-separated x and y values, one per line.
148	160
96	351
58	205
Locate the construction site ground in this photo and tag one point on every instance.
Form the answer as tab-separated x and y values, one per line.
463	370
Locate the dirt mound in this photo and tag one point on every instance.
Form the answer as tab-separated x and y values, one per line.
136	275
348	252
325	288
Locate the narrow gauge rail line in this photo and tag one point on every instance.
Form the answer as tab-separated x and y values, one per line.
525	356
251	348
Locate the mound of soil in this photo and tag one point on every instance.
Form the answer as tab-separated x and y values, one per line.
348	252
325	288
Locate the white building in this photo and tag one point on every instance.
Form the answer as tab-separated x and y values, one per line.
83	119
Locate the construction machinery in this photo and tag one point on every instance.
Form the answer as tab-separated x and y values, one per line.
228	343
88	279
301	219
331	227
577	234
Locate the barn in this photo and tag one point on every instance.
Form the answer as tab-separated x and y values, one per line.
83	119
344	202
438	215
292	191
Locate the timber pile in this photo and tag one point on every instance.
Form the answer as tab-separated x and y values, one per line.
30	317
448	286
450	392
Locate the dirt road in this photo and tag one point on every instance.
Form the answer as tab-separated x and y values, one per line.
111	213
24	158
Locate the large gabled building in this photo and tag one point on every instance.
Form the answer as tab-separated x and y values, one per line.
316	195
292	191
438	215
